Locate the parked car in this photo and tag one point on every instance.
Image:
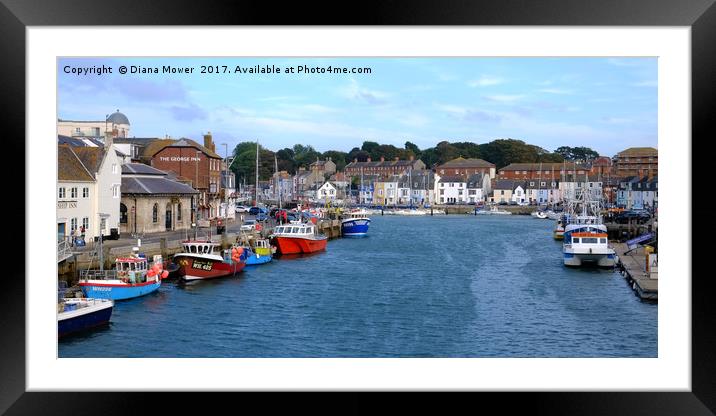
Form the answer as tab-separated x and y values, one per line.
248	225
257	210
262	216
241	208
640	216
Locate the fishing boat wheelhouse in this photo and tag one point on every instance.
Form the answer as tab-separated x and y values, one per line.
298	238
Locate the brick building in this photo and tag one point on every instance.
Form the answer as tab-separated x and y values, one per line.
466	167
190	160
541	170
383	168
637	161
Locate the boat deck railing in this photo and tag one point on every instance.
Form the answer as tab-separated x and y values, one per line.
98	274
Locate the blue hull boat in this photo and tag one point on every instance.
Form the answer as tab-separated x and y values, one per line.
118	291
355	227
256	259
79	315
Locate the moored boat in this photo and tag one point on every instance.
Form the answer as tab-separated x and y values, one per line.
586	241
202	259
80	314
131	278
355	224
298	238
259	252
493	211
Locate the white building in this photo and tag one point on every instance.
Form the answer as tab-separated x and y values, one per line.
88	191
115	125
451	190
478	187
327	193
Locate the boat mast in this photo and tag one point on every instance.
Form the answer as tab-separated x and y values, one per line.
360	194
256	191
278	179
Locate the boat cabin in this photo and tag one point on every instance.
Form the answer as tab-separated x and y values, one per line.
295	230
200	247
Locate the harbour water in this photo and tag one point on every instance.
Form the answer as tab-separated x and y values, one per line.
443	286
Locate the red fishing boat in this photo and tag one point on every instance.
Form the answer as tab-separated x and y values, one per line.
202	259
298	238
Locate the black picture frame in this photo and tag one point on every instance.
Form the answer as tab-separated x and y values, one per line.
699	15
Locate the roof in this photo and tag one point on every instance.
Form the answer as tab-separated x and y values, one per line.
466	163
475	180
91	157
118	118
545	166
639	151
79	142
451	178
507	184
385	163
70	167
141	169
184	142
158	185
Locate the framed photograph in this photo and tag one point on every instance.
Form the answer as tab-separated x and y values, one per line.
459	198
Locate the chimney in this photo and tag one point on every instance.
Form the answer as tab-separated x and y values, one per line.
368	158
208	143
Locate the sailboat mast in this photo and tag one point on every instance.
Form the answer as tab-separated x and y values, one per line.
256	191
278	179
360	195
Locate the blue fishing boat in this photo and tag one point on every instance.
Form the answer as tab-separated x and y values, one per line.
355	223
260	252
80	314
130	279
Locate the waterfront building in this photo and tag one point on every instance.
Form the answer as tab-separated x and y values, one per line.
282	186
188	159
571	183
452	189
478	187
466	167
327	193
542	191
542	170
152	202
88	191
416	188
637	161
503	190
383	168
638	193
227	208
306	182
114	125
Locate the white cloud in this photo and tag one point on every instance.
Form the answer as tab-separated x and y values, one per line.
485	81
504	98
355	92
559	91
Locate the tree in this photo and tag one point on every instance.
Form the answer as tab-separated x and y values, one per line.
337	157
412	148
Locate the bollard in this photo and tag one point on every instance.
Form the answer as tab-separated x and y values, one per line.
163	247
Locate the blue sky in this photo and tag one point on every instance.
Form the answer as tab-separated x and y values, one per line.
608	104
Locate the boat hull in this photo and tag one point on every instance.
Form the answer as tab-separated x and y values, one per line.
290	245
601	260
256	259
191	268
355	227
117	291
82	319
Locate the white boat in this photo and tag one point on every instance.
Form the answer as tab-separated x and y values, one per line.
585	236
493	211
80	314
355	223
410	212
542	215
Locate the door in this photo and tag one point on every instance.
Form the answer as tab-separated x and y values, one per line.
61	231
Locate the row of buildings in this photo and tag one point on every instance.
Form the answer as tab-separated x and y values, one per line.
110	183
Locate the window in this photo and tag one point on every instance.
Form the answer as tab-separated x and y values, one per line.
532	184
542	183
73	193
179	212
590	240
155	213
603	240
575	240
114	168
85	223
77	130
85	192
73	224
115	191
61	193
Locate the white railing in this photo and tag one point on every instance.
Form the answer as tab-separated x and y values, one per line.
64	250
